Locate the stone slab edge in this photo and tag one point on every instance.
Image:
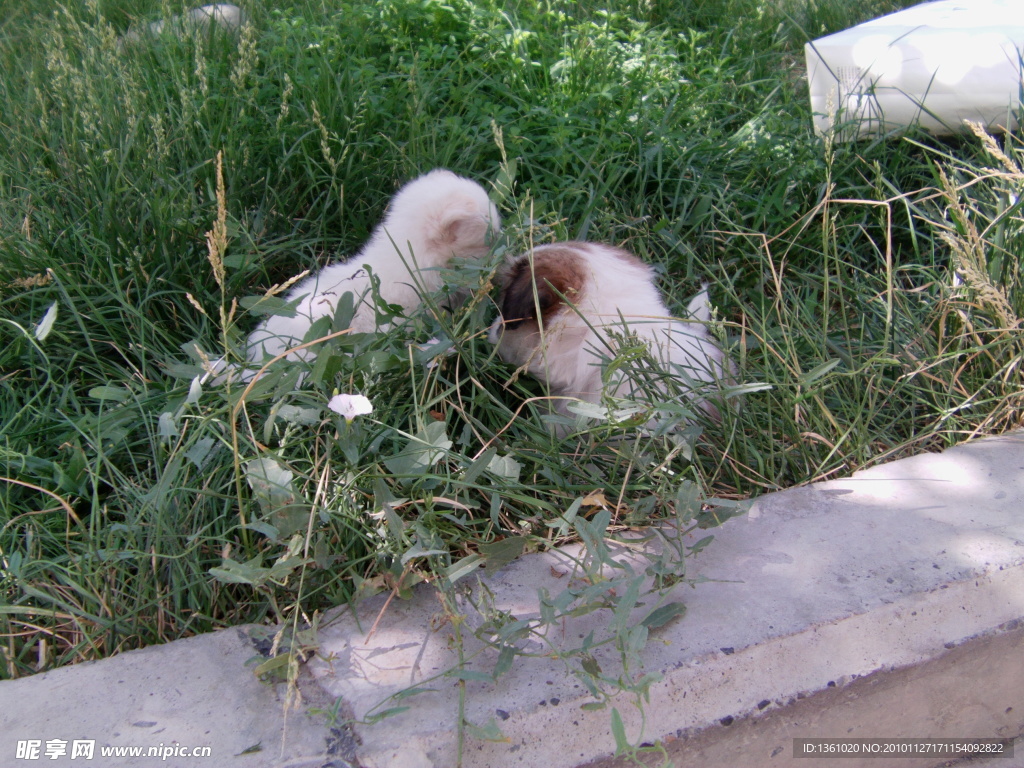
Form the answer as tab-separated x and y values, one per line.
702	689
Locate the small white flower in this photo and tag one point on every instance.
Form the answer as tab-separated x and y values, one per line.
350	406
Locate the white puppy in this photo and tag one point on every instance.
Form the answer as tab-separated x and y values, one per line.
566	309
430	220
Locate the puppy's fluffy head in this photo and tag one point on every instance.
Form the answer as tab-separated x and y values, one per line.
555	303
434	218
565	307
535	290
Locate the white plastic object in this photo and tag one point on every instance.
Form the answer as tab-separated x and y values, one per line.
937	64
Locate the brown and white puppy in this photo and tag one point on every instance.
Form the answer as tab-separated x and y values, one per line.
566	307
430	221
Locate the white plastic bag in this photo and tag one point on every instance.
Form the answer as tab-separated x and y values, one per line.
936	64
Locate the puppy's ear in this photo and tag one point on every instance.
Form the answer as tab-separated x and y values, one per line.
699	308
521	298
461	231
553	276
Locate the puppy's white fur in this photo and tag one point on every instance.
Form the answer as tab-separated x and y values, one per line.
564	309
430	220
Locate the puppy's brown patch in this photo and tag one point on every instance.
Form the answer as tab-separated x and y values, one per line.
556	272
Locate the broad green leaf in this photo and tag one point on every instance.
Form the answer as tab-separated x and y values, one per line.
118	394
416	550
294	414
271	665
489	732
183	371
424	449
565	521
505	658
619	732
269	479
200	451
625	410
515	630
233	572
818	371
268	305
483	462
261	526
464	567
627	603
498	554
688	501
287	519
166	426
701	544
590	666
505	467
504	183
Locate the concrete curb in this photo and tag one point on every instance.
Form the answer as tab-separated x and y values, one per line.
885	605
881	573
199	692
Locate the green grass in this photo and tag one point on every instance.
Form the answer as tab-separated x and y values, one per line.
874	286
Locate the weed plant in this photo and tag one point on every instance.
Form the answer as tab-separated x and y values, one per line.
152	190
